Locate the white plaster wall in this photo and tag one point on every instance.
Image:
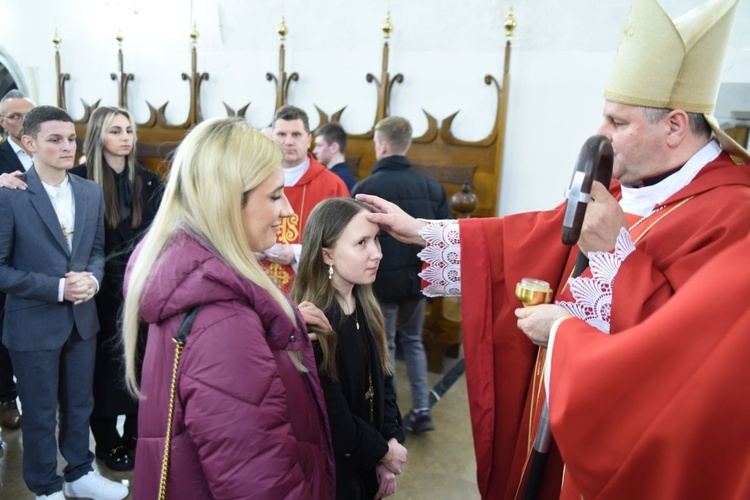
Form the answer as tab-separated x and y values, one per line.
561	58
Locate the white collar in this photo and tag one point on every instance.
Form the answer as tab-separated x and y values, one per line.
23	156
292	175
640	201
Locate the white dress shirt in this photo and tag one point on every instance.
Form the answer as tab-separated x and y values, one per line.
64	204
22	155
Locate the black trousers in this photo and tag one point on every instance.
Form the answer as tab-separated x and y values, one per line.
106	435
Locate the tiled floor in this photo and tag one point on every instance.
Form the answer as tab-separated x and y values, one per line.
440	463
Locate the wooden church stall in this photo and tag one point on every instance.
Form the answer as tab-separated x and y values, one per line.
469	170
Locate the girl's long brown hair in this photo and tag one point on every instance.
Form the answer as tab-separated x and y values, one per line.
324	227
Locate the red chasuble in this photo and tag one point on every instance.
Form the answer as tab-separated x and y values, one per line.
316	185
500	360
659	411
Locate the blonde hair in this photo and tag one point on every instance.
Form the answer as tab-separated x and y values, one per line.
99	172
396	131
214	168
327	222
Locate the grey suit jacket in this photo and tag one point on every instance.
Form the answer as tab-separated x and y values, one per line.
34	256
9	161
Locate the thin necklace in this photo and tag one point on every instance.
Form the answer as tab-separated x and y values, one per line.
370	393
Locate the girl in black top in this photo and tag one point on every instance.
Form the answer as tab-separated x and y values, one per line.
339	262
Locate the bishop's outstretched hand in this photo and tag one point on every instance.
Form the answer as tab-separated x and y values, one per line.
391	219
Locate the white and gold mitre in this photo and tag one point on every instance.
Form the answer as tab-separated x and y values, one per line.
661	63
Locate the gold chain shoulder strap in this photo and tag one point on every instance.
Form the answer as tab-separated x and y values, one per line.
179	340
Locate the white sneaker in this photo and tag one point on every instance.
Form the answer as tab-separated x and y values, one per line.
58	495
96	487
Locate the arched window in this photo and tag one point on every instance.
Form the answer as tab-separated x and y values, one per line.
10	76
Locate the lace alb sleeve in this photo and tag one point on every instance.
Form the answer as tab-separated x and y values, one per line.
443	258
593	296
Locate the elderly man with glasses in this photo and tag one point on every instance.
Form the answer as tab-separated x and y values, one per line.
13	157
13	108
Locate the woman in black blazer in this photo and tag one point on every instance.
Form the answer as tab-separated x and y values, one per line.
131	198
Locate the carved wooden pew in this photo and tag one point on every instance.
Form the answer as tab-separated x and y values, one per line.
442	334
470	165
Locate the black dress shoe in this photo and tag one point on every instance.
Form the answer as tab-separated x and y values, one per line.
119	459
130	443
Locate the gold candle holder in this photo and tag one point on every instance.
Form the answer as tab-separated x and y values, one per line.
532	292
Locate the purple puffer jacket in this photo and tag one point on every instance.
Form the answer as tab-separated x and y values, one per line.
247	424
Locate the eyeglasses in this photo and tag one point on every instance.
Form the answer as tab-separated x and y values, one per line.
15	117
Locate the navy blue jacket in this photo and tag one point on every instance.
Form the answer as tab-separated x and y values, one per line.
342	170
393	178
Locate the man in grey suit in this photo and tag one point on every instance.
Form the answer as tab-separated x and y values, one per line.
13	158
51	264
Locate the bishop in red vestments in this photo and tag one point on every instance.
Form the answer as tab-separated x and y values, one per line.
504	370
680	198
657	411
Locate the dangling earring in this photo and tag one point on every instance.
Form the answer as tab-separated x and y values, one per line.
330	271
